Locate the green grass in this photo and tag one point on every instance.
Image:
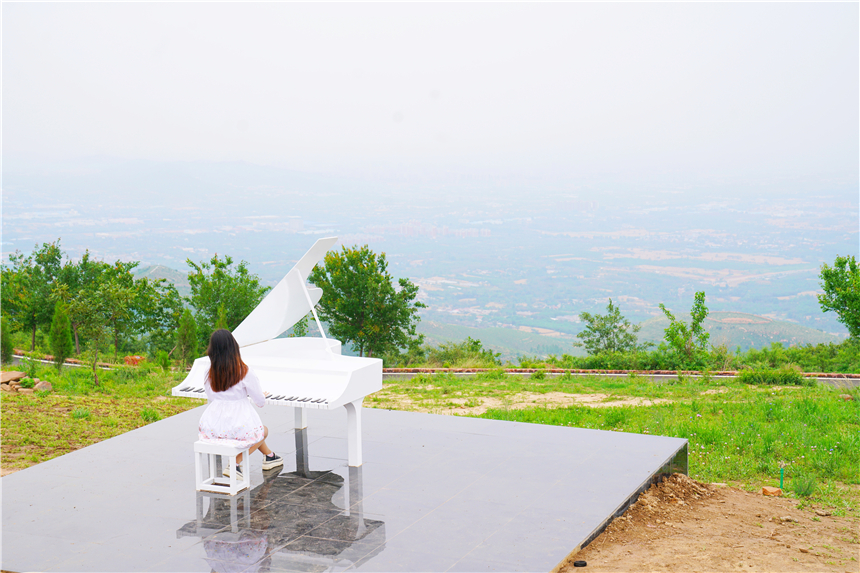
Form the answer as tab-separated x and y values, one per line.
741	436
44	425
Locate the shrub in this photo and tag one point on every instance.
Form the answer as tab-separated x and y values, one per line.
163	360
783	376
6	346
27	383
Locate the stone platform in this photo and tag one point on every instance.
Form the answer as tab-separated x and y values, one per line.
435	493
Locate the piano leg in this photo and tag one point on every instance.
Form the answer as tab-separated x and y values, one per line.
353	431
301	418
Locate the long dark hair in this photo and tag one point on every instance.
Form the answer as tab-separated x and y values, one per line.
226	368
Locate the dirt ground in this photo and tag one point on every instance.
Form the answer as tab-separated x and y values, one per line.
681	525
518	401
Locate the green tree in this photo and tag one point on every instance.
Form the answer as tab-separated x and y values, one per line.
217	288
361	304
95	310
161	308
6	348
27	286
841	285
690	342
608	332
62	345
186	338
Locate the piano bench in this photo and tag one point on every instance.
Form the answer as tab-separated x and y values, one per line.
215	482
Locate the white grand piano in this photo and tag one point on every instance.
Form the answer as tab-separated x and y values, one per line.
299	372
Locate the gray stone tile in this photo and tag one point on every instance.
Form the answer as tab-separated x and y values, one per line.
436	493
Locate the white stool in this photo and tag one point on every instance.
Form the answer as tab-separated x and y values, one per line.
203	448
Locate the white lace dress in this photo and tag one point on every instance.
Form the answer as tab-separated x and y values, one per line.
230	418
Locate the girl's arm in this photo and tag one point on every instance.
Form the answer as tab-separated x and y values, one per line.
255	391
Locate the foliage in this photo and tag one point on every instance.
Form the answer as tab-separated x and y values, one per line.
300	328
469	353
361	304
163	359
222	295
27	285
95	310
6	347
62	345
841	285
27	383
782	376
159	307
690	342
607	333
186	338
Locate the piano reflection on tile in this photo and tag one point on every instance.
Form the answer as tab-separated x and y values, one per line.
307	520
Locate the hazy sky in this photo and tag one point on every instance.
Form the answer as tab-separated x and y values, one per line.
722	89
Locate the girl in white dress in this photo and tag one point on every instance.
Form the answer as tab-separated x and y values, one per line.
229	418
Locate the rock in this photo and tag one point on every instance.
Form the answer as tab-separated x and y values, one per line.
802	550
25	390
822	513
12	376
718	484
785	519
846	397
43	385
770	490
6	388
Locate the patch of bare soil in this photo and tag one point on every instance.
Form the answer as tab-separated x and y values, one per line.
520	401
681	525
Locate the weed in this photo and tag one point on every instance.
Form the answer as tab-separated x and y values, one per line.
805	485
149	415
27	383
81	414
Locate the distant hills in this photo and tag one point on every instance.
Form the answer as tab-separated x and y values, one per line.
734	329
179	279
737	329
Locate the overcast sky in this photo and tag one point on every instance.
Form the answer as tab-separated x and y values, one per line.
723	89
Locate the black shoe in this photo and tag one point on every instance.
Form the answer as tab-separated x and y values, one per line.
272	461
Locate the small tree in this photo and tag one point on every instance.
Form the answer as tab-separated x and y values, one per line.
62	345
6	348
186	338
689	342
361	304
95	310
608	332
841	285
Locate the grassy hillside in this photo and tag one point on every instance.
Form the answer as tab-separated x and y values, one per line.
510	342
179	279
745	330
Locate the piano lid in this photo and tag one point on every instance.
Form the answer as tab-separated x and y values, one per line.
285	304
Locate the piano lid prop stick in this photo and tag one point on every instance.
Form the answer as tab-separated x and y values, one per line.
313	310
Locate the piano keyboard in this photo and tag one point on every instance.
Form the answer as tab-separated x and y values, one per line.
277	400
